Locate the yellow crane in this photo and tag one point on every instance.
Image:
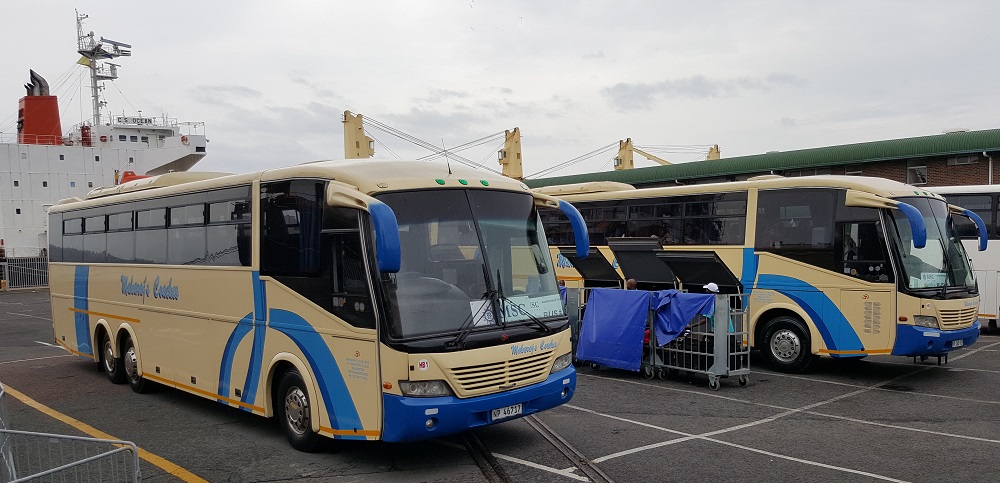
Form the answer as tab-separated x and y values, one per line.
624	160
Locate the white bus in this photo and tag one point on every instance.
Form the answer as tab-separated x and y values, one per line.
350	299
981	200
838	266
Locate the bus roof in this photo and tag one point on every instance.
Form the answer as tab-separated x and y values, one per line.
879	186
972	189
370	176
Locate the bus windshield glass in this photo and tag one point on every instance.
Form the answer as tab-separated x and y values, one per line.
470	259
942	262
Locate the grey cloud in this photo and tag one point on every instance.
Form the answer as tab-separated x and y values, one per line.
642	96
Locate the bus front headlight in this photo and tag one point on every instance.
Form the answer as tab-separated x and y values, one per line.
424	388
562	362
925	321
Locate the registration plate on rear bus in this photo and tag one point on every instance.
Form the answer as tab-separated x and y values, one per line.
504	413
957	343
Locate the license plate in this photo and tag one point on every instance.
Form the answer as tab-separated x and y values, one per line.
504	413
957	343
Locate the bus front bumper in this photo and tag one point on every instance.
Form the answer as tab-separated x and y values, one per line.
912	340
417	418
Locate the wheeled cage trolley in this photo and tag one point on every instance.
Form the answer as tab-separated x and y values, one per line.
717	346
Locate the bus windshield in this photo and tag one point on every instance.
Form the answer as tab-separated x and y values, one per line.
470	259
943	262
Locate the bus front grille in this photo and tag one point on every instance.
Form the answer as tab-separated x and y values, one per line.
498	376
958	318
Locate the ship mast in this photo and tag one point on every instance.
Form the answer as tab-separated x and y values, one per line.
93	51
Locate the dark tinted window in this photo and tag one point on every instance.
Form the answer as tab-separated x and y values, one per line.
55	237
95	246
121	247
94	224
120	221
228	245
981	205
291	218
798	224
187	215
156	218
151	246
186	245
73	226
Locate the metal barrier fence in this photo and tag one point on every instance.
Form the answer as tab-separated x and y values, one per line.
24	272
30	456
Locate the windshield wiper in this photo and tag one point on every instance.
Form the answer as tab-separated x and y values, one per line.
506	302
469	323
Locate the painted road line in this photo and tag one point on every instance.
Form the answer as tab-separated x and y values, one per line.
93	432
47	319
37	358
568	472
50	345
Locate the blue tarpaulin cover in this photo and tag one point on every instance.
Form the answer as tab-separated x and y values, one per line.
674	310
613	327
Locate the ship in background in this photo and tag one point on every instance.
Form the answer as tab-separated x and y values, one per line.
40	165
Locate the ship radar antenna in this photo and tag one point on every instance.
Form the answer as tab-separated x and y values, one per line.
93	52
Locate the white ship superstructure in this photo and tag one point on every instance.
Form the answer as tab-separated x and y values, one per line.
40	165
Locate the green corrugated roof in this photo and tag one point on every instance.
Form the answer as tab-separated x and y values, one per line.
888	150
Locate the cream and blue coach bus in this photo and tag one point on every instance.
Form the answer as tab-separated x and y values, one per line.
840	266
350	299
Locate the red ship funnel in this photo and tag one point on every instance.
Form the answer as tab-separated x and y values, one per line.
38	115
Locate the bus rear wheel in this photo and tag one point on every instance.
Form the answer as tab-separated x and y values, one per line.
786	345
294	412
130	359
113	366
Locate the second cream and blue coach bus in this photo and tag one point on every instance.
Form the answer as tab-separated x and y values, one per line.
367	300
839	266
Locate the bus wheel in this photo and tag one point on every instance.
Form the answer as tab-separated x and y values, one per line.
786	345
294	412
131	362
113	366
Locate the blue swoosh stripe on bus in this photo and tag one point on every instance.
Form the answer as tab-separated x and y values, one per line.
336	396
836	331
258	297
253	374
225	372
81	302
749	274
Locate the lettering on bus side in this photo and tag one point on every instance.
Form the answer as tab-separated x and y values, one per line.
131	288
519	349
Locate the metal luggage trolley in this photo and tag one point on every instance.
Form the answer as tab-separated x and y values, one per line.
32	456
717	346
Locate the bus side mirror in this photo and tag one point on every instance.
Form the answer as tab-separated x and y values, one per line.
980	227
575	220
388	252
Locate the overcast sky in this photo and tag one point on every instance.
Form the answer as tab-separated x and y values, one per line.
271	79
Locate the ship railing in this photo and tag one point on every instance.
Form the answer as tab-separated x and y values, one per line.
48	139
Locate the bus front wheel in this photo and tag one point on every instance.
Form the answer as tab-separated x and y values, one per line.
294	412
786	345
113	366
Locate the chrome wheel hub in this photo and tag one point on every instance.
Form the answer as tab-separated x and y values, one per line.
109	356
131	364
297	410
785	345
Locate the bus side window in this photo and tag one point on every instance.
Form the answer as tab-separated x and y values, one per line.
863	251
351	300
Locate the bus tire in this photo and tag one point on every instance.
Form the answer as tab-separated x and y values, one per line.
113	366
294	412
130	359
786	345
